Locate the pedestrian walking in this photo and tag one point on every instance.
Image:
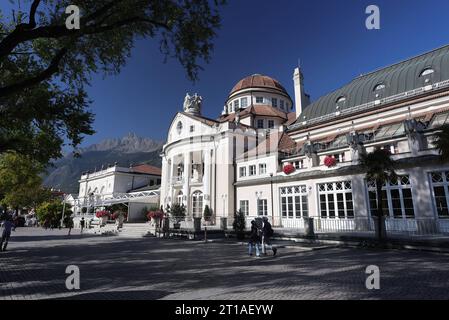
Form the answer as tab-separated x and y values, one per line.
82	223
70	225
8	225
267	233
254	240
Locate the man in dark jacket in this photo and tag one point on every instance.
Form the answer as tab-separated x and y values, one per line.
254	240
267	233
8	225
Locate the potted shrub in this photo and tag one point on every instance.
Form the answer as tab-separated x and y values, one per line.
207	214
239	224
178	213
103	215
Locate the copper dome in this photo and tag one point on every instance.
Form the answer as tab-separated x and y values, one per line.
258	81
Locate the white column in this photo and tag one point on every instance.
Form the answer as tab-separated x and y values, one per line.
207	177
169	180
186	182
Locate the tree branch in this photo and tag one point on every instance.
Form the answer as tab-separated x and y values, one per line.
32	23
52	68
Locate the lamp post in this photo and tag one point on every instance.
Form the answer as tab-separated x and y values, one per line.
63	209
272	204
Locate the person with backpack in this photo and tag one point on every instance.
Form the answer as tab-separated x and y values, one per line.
254	240
8	225
267	233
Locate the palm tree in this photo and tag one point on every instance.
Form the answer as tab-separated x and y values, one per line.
442	142
379	167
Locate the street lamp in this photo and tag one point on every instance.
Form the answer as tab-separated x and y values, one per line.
63	208
272	204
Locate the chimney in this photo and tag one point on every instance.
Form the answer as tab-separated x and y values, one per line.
301	98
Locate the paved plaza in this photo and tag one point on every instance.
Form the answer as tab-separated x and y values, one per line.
151	268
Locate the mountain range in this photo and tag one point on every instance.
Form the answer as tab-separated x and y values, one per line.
126	151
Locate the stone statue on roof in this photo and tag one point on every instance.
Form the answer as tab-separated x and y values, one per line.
192	104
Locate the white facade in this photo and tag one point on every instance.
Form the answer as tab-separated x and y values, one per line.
115	185
235	165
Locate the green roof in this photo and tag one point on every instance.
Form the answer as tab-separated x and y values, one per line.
394	80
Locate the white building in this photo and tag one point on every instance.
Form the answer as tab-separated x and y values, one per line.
137	187
236	161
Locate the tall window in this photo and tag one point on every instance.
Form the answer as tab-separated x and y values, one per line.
336	200
262	168
299	164
270	124
274	102
242	171
260	124
281	104
440	186
252	170
179	198
236	105
259	99
244	207
396	196
262	207
197	204
244	102
294	202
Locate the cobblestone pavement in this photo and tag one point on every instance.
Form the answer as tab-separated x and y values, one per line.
150	268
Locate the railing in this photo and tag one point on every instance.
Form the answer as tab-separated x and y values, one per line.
293	223
333	225
443	225
369	105
177	179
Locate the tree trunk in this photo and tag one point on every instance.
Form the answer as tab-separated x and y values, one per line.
380	212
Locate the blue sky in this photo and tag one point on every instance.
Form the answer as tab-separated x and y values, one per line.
267	37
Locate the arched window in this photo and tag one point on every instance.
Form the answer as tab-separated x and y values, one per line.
426	72
197	203
379	87
341	99
340	102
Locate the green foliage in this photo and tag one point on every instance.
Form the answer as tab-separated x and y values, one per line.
20	183
178	212
45	66
442	142
239	223
378	165
207	213
51	212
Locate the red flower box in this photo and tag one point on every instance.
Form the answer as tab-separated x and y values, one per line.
102	213
330	161
155	215
289	168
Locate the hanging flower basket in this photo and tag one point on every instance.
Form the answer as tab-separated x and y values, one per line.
155	216
289	169
330	161
103	215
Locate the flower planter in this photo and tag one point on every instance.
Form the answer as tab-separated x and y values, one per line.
104	220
